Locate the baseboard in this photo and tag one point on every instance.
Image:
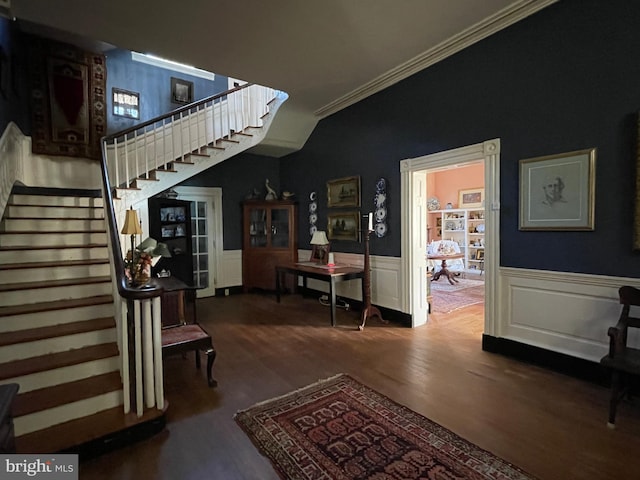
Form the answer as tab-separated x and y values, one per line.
558	362
390	315
116	440
221	292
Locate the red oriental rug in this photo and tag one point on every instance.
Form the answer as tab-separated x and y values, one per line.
68	99
340	429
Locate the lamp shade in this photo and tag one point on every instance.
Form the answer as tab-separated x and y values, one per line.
131	223
162	250
148	245
319	238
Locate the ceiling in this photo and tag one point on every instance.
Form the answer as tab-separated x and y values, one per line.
324	55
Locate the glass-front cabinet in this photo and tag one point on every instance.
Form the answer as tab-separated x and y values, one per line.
269	238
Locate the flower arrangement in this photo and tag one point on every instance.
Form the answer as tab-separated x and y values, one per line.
138	263
137	267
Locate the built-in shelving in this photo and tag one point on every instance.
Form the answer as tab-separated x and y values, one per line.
464	226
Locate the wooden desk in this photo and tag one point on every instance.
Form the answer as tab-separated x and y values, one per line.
443	268
321	272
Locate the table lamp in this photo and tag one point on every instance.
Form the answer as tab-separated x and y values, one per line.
320	244
132	227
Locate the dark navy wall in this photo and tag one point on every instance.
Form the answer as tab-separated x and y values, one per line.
14	96
563	79
237	177
154	86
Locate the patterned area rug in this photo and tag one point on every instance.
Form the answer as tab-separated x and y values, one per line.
447	298
340	429
68	99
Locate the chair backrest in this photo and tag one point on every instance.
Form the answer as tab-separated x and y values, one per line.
629	296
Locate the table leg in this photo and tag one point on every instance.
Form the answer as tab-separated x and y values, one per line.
332	296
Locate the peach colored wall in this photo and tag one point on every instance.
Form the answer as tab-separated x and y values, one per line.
448	183
445	186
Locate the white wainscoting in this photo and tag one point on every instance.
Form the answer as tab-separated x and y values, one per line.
563	312
385	279
230	274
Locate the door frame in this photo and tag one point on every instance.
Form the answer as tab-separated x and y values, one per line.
414	221
213	197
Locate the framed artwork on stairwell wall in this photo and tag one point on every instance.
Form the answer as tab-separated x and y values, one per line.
181	91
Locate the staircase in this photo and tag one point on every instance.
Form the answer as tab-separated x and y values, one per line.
59	330
57	326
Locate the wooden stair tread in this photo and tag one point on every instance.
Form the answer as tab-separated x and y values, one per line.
42	363
60	330
51	247
11	287
55	263
54	396
46	205
54	305
83	430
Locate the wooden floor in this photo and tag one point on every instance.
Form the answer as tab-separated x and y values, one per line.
551	425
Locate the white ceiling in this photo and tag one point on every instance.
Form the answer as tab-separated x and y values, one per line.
325	54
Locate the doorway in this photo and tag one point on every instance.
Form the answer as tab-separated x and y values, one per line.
413	185
206	235
455	239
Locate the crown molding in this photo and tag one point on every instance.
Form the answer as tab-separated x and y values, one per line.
483	29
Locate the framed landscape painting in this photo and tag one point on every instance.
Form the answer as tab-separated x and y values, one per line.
343	192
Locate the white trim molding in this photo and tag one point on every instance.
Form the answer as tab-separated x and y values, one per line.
562	312
511	14
412	252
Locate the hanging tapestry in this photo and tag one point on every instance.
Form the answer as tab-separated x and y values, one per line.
68	99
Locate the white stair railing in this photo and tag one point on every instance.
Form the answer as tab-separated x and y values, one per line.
152	145
132	154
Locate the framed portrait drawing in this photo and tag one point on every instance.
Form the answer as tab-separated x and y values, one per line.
343	192
344	226
471	198
181	91
557	192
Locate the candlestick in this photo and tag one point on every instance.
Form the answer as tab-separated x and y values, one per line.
370	222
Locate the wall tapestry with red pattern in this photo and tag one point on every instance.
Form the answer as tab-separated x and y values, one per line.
68	99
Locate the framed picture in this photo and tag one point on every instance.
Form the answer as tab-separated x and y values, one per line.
343	192
181	91
472	198
344	226
479	254
557	192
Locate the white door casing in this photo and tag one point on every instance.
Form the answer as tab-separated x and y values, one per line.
212	197
413	208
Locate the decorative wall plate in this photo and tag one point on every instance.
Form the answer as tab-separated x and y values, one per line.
380	229
433	204
380	198
312	230
381	214
313	218
313	206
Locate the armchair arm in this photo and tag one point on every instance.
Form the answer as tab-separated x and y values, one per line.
617	339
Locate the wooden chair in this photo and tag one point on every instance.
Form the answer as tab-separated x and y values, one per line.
622	360
181	332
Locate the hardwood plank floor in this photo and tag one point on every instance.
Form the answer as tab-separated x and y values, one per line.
549	424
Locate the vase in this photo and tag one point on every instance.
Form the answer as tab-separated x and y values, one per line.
141	277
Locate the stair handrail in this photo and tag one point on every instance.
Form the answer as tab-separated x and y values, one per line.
173	113
124	289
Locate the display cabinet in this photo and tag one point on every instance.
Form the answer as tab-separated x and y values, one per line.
170	223
270	237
